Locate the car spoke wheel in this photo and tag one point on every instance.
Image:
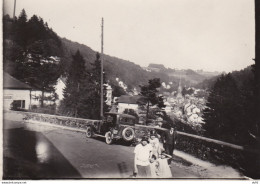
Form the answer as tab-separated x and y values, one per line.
109	138
128	134
89	133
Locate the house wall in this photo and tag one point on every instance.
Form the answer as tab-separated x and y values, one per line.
123	106
14	94
60	86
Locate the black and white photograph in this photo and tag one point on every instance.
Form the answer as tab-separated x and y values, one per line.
163	90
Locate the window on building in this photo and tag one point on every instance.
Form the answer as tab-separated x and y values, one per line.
18	104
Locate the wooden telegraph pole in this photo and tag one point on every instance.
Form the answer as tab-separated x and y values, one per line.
101	56
14	9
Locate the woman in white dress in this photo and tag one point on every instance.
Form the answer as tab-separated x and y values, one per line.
164	170
155	143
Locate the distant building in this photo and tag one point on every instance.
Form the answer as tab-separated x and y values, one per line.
36	96
16	94
168	107
128	102
49	97
108	94
60	86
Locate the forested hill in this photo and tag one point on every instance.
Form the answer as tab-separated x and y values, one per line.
132	74
241	77
128	72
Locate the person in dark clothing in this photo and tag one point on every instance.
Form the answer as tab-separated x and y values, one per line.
169	142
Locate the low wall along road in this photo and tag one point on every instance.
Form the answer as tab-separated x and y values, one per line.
245	159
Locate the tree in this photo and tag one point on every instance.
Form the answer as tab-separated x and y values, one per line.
150	95
249	103
21	32
95	80
224	107
187	91
117	90
33	53
83	89
75	88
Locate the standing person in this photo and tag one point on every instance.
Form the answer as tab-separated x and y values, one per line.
154	164
155	143
164	170
169	142
143	153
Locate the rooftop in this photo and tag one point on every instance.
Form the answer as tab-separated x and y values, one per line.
129	99
10	82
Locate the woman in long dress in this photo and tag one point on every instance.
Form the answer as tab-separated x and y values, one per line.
155	143
164	170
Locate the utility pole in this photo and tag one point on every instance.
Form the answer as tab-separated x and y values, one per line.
101	56
14	8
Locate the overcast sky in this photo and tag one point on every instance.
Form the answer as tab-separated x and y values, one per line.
213	35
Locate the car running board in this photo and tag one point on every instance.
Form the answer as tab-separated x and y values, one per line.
99	135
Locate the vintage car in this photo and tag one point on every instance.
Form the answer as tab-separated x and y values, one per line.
114	126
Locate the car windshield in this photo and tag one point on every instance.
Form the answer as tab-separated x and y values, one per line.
127	120
111	119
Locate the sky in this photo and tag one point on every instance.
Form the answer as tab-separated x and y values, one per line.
213	35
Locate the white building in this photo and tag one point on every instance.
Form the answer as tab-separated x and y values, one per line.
49	97
16	94
168	107
60	86
108	94
128	102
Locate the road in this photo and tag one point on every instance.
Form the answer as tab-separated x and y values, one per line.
38	151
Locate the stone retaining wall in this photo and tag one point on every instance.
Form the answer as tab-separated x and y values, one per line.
59	120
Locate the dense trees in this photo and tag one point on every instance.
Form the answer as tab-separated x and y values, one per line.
83	89
95	80
32	52
74	95
222	113
230	113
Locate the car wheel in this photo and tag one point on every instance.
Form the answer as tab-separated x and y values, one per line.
109	138
128	134
89	132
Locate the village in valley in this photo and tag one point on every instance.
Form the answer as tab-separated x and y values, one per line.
185	105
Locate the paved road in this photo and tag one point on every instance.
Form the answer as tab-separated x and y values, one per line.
39	151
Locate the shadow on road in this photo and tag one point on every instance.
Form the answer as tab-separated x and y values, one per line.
30	155
123	169
120	142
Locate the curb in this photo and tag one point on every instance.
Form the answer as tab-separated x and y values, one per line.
55	126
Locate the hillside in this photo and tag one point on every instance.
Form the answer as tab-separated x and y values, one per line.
133	75
128	72
241	77
188	77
